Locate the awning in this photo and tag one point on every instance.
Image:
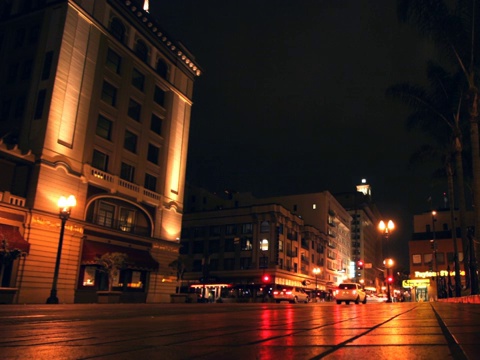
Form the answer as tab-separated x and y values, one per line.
136	259
13	238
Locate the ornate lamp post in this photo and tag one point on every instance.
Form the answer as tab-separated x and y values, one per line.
65	206
386	230
316	271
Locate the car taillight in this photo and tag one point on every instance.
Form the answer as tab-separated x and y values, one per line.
275	293
354	292
289	293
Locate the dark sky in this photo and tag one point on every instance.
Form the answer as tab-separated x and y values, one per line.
292	100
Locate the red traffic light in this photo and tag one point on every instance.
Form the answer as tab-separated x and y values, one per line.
266	278
360	264
390	279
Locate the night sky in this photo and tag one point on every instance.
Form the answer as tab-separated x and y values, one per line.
292	100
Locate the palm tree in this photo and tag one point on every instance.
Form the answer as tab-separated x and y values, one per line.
437	113
453	26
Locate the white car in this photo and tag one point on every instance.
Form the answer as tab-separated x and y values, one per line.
350	292
292	295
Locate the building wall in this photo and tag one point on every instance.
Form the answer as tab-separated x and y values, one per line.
57	144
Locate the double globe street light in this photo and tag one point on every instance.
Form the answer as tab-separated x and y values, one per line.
65	206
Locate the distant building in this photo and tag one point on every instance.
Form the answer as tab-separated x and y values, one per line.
367	243
96	103
432	253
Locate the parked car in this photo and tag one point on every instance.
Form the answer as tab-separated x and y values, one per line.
292	295
350	292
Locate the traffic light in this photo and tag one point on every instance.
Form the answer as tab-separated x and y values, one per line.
266	278
390	279
360	264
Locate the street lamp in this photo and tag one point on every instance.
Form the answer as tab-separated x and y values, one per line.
388	263
316	271
386	230
65	206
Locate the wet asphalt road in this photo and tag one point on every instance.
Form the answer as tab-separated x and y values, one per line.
241	331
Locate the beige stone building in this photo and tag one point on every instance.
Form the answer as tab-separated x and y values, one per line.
97	105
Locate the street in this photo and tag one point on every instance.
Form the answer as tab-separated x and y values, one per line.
241	331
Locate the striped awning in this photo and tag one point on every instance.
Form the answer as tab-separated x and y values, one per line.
13	238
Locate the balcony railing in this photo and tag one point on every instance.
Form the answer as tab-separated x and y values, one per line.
292	253
6	197
115	184
122	226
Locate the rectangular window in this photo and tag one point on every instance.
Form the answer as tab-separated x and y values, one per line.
153	154
114	61
427	258
150	182
47	65
246	244
156	124
417	259
100	160
109	94
440	257
138	79
104	127
106	214
159	96
247	228
40	104
134	109
130	141
231	229
127	172
127	219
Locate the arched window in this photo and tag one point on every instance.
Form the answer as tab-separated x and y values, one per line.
141	50
117	29
162	68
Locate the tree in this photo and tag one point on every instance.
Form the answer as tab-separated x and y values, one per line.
437	112
111	264
453	25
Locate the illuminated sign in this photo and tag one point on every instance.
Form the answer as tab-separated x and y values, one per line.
419	283
427	274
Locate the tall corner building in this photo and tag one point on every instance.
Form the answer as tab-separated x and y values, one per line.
95	102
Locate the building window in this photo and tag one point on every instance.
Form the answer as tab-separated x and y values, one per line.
134	110
114	61
162	68
231	229
229	245
440	257
138	79
130	141
245	263
141	50
89	275
153	153
264	245
104	127
246	244
127	219
40	104
156	124
265	227
127	172
159	96
247	228
47	65
100	160
109	94
416	259
427	259
150	182
117	29
106	214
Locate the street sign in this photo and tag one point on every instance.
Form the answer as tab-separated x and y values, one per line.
368	265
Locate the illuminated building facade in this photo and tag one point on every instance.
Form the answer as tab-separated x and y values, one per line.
432	252
235	239
97	105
